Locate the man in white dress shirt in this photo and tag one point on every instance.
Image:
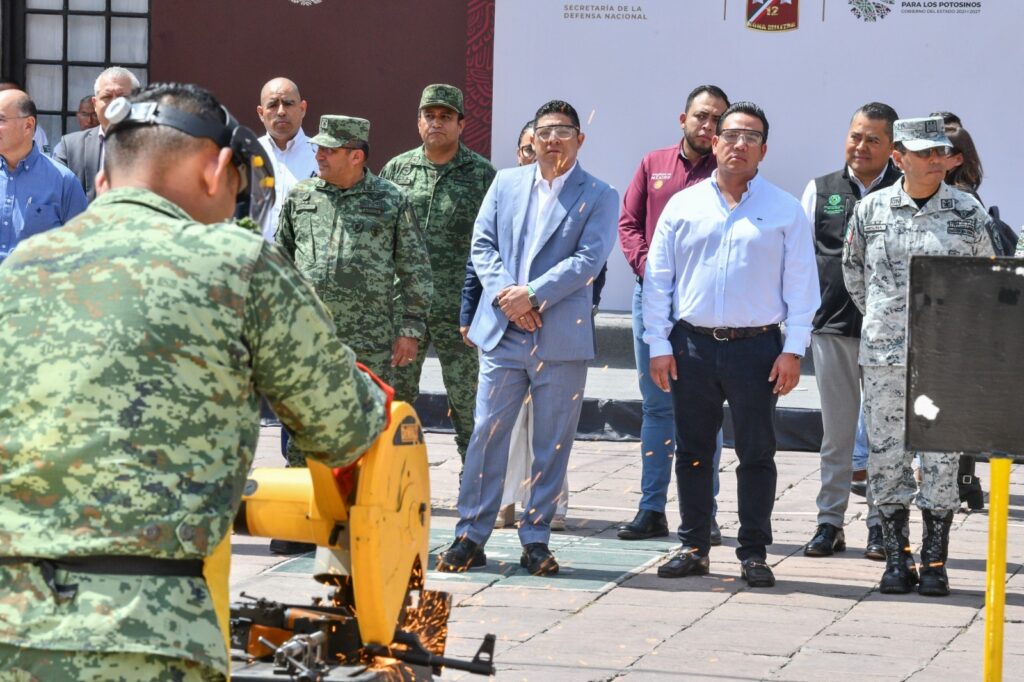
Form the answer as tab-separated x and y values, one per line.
732	258
282	109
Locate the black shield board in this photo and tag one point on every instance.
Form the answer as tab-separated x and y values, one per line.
965	355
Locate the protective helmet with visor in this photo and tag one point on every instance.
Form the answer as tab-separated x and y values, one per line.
256	191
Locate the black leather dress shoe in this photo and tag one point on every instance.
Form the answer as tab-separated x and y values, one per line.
875	549
859	488
826	541
288	548
686	562
538	559
646	524
757	573
463	555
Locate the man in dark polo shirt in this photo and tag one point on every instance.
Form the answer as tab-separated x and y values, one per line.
661	174
828	202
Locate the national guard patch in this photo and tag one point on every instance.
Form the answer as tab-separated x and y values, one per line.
895	202
966	214
964	228
946	204
875	227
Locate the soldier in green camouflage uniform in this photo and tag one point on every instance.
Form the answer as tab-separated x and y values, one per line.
136	342
919	215
446	183
356	239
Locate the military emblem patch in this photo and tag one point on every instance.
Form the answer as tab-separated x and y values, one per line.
945	204
895	202
772	15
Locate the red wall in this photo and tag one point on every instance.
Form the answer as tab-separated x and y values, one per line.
368	58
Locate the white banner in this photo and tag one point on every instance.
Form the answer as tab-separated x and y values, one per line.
627	68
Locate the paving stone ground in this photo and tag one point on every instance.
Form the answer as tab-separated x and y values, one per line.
607	616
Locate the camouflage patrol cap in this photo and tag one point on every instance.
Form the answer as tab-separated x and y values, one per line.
441	95
339	131
918	134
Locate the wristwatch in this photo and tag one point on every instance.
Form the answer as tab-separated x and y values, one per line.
533	298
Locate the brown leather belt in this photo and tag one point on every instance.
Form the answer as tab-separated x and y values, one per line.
729	333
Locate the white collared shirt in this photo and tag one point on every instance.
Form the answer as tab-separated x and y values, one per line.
749	266
543	196
294	163
809	200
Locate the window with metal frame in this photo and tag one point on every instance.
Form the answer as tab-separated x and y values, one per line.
57	48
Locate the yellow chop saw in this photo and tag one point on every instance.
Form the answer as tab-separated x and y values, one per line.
371	525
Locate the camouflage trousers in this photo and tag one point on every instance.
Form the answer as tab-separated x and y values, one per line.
43	665
459	369
890	474
380	364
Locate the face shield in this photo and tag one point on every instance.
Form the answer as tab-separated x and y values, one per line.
256	190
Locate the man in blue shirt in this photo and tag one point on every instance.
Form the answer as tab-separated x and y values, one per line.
37	192
732	258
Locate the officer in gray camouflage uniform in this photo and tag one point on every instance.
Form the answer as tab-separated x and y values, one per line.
1019	253
446	183
920	215
137	341
356	239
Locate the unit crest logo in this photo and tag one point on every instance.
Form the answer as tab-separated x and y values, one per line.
772	15
871	10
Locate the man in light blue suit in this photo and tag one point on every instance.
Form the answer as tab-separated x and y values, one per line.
542	235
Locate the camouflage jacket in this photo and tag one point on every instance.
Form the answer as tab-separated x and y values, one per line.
1019	253
446	200
134	344
887	229
351	245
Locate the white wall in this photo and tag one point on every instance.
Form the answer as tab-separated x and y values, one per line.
629	79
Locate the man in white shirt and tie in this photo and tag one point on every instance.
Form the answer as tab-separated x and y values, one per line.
282	110
732	258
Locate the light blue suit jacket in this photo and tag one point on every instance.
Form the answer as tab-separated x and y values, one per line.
573	246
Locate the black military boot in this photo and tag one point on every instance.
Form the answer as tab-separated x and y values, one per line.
900	574
968	485
934	551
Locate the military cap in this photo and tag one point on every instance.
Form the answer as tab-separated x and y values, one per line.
918	134
441	95
338	131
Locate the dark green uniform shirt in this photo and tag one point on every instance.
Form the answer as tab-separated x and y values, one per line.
446	199
351	245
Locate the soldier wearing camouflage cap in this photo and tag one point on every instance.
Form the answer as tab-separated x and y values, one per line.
137	341
356	240
446	183
920	215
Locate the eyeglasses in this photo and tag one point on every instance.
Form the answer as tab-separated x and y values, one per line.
941	152
562	132
5	119
528	151
735	135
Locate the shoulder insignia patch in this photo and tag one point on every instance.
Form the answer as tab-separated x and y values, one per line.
895	202
946	204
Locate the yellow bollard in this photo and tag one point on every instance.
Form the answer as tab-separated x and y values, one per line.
995	577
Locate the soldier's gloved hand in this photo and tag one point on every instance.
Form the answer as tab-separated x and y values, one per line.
465	337
404	350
